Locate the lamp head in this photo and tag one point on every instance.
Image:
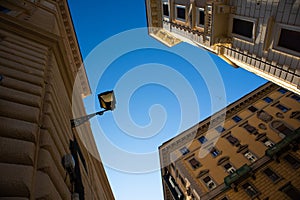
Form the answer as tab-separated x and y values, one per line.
107	100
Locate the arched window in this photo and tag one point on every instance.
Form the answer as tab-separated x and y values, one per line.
281	128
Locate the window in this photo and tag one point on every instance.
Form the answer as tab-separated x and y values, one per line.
236	119
209	182
282	108
267	142
295	163
264	116
295	115
214	152
251	129
289	39
250	190
184	151
271	174
4	9
282	90
220	129
200	17
262	126
252	109
233	140
180	12
296	97
165	9
229	168
290	191
281	128
268	99
243	28
195	163
250	156
202	139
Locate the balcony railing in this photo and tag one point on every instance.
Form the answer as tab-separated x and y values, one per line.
173	187
238	176
285	144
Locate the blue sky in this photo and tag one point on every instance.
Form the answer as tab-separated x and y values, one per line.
160	91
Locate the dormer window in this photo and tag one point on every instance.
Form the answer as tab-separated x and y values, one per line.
180	12
200	17
165	7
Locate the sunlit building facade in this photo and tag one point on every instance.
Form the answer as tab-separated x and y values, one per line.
41	157
250	150
261	36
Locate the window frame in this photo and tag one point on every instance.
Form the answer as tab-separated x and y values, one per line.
210	181
268	99
220	129
295	97
196	166
252	155
233	169
254	188
184	151
282	107
282	90
204	139
251	108
214	149
176	12
236	119
271	177
165	2
198	10
278	28
295	165
252	20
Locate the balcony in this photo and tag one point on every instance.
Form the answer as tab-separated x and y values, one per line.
173	187
285	144
238	176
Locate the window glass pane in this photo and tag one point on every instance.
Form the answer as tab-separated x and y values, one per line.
268	99
201	17
214	152
271	174
242	27
165	9
284	129
236	118
195	163
293	161
296	97
180	12
252	109
184	151
220	129
206	179
250	129
227	166
233	140
249	189
282	108
291	191
289	39
4	9
282	90
202	139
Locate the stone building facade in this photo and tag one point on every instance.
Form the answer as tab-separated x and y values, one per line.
261	36
250	150
41	157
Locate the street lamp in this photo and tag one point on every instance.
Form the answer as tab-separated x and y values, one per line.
107	102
